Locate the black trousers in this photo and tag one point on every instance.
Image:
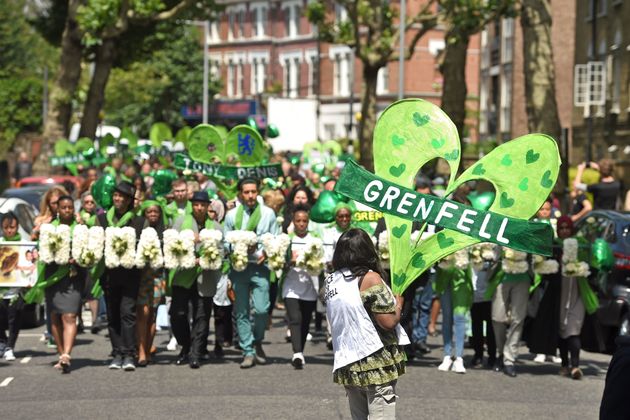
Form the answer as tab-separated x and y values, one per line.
223	330
300	313
570	345
479	312
193	339
120	287
406	313
10	317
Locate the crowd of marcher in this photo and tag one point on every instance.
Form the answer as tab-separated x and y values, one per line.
505	296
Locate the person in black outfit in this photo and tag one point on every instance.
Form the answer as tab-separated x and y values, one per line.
607	191
121	285
580	205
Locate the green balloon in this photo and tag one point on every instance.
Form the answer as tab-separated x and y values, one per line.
482	201
324	209
602	256
272	131
252	123
103	189
162	181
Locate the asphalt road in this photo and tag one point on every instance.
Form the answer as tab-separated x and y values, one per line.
31	389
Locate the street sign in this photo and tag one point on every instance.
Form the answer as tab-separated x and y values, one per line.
590	84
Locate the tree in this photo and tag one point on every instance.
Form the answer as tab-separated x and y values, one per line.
155	89
372	32
539	69
462	21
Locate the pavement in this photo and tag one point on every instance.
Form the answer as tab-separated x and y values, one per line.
31	389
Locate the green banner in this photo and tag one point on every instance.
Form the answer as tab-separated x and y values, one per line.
230	172
77	159
387	197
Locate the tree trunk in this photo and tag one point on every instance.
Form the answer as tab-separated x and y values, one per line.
453	69
539	70
368	116
96	94
62	91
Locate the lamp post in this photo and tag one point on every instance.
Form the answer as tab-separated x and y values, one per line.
206	34
401	52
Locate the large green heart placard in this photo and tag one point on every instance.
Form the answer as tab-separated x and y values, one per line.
243	145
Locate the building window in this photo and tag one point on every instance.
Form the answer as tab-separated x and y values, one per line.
602	8
313	73
341	14
341	74
506	101
485	50
215	68
291	67
382	81
236	22
291	20
240	80
230	79
507	40
215	37
231	26
260	20
259	75
483	104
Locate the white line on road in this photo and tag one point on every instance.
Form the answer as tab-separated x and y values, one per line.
7	381
26	359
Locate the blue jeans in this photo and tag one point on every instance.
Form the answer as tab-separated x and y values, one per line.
452	323
422	313
255	280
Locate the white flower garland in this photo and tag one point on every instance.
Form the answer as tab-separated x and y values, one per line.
120	247
311	258
571	266
482	253
544	266
87	245
211	254
458	259
179	249
54	244
514	262
383	248
276	249
240	240
149	250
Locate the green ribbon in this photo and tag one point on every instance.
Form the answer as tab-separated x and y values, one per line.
252	222
149	203
36	294
122	221
387	197
15	238
88	219
589	298
184	162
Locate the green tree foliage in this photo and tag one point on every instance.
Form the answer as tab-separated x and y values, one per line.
155	89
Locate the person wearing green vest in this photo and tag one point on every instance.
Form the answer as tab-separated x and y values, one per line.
120	285
251	215
11	300
195	288
180	204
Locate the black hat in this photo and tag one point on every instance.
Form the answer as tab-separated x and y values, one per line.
126	188
201	196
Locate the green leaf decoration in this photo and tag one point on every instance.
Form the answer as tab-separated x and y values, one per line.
205	144
420	123
159	132
132	138
182	135
105	142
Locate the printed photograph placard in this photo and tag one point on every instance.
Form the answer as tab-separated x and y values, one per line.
18	264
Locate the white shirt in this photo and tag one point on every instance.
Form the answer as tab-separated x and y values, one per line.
298	284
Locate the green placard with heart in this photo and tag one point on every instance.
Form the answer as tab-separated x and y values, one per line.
412	132
71	154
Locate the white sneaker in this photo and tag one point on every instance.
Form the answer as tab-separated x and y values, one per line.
445	366
309	337
8	355
556	359
458	366
298	360
172	345
540	358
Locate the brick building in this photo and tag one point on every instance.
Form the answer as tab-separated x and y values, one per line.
267	50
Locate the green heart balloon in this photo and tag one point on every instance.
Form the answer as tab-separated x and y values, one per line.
272	131
103	189
182	135
132	138
162	181
416	123
159	132
482	201
323	211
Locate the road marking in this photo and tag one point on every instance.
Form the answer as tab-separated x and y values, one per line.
6	382
26	359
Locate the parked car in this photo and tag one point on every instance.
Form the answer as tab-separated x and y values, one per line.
53	179
33	314
613	316
32	194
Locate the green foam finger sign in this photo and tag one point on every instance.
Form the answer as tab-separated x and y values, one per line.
533	162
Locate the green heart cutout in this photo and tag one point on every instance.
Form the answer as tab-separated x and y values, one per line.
443	241
531	156
399	279
418	260
243	145
397	170
506	161
454	155
478	169
159	133
523	184
397	140
506	201
546	181
437	143
399	231
420	120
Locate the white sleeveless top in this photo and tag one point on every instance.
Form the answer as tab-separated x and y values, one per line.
353	332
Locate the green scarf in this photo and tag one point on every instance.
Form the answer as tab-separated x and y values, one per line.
36	294
122	221
253	221
88	218
15	238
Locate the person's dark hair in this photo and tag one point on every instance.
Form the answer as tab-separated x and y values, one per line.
9	216
355	251
246	181
65	198
140	178
301	207
69	186
307	191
